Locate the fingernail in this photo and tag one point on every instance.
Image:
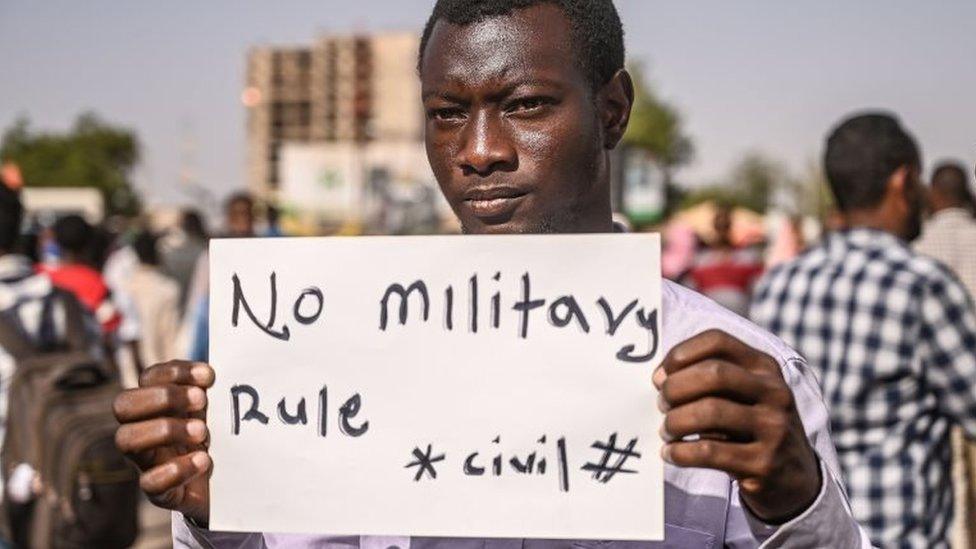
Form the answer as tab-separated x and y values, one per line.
196	429
666	453
662	404
659	377
664	434
201	373
197	398
200	460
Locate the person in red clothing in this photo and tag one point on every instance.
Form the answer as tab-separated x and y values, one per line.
725	272
73	273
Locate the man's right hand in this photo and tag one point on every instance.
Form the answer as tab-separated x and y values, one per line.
163	431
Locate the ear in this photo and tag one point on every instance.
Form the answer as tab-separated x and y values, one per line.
898	188
616	99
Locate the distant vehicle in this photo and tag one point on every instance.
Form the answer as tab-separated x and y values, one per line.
47	204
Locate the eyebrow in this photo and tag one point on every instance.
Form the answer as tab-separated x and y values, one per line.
506	90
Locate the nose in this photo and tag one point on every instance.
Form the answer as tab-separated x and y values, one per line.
487	147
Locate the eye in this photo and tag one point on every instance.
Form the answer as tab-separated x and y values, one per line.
528	105
449	114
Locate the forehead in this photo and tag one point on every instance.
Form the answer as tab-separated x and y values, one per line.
532	43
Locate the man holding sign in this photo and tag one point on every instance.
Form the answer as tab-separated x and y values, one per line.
525	99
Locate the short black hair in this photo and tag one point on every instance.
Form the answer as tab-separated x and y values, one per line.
598	35
193	224
74	234
951	181
11	217
145	246
862	153
239	198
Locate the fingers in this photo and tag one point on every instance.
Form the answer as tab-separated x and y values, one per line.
178	372
712	377
716	344
739	460
164	483
159	400
136	439
708	417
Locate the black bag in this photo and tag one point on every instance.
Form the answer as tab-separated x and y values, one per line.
60	422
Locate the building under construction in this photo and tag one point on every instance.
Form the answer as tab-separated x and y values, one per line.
355	89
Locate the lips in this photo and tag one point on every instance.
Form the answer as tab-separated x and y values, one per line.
493	204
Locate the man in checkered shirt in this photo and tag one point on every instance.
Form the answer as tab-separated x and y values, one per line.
891	333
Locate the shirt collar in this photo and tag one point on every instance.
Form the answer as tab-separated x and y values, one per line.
952	213
864	237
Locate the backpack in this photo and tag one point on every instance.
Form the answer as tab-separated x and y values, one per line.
60	422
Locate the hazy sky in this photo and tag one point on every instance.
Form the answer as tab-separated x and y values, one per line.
748	75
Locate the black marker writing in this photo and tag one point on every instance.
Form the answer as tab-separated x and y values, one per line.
496	305
449	308
526	305
349	410
289	419
404	294
424	463
252	412
470	468
614	322
649	323
239	301
603	471
473	285
571	311
308	319
323	411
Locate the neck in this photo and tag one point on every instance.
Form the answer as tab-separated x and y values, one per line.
937	208
599	224
872	219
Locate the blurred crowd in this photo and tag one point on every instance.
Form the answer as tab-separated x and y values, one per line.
848	292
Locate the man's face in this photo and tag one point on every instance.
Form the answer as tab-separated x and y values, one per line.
513	132
240	219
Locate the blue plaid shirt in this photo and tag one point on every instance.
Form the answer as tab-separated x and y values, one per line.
892	335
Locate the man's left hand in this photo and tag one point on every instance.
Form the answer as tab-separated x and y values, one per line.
737	402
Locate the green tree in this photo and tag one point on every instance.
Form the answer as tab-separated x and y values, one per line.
657	129
812	195
92	153
755	182
656	126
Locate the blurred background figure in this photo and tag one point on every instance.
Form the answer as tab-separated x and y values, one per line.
239	216
950	236
890	333
11	176
678	255
74	271
787	242
272	220
238	223
726	272
157	301
182	251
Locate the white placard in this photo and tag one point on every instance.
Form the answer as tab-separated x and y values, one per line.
458	386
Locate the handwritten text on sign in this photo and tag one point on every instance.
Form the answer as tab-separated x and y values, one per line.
437	386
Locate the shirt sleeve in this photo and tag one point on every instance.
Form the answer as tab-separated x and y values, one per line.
829	521
826	523
189	536
948	345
